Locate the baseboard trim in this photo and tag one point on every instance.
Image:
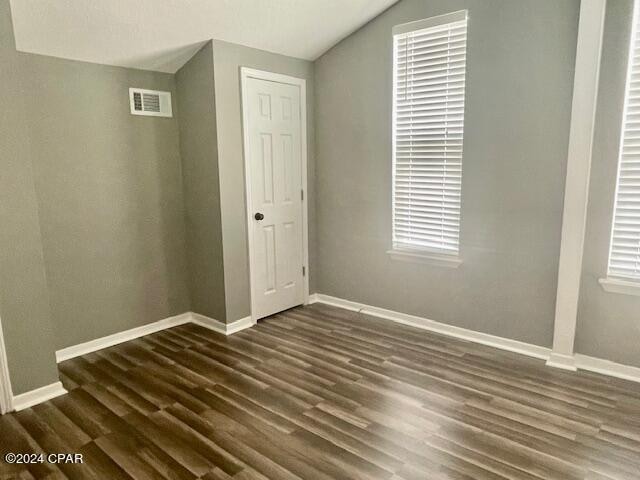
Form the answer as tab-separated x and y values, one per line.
42	394
607	367
121	337
210	323
437	327
570	363
239	325
565	362
132	334
221	327
39	395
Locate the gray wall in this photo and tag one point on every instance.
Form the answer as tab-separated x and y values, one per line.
94	241
199	150
228	58
608	324
521	56
110	198
24	300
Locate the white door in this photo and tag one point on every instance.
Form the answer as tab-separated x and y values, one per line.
273	143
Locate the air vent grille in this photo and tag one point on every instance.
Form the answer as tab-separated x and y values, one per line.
150	102
137	101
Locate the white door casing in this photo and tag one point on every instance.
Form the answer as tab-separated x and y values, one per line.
274	127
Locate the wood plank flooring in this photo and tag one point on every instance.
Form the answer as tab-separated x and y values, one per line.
323	393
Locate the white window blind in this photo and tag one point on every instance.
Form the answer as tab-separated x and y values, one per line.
624	257
428	120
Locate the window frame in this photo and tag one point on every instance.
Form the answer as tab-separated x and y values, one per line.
404	251
614	282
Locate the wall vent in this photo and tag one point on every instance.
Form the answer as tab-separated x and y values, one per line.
152	103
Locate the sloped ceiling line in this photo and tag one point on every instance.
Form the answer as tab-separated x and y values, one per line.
161	35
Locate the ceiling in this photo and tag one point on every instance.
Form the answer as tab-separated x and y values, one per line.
162	35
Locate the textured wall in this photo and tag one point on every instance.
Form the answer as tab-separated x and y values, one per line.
199	150
228	58
608	324
24	300
106	228
520	62
109	190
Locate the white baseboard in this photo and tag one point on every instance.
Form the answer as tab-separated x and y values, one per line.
563	362
42	394
442	328
121	337
221	327
210	323
607	367
566	362
239	325
578	361
39	395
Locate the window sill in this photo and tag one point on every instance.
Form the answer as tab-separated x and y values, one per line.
624	287
438	259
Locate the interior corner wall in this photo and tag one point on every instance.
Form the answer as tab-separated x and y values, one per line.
201	184
520	63
109	189
608	324
228	58
24	300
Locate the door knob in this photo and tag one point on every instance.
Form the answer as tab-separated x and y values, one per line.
258	216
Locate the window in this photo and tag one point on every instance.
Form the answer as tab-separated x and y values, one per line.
624	256
429	58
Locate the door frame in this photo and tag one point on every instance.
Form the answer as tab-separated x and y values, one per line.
247	73
6	392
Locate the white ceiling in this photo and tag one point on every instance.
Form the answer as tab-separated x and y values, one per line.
163	34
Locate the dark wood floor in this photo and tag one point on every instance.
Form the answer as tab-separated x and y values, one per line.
322	393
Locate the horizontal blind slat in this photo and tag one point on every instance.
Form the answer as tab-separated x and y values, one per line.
429	84
624	256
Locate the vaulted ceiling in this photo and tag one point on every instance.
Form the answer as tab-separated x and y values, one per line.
162	35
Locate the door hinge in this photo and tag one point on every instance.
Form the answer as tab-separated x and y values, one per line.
301	194
304	271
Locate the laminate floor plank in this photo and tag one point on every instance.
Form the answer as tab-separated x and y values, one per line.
321	393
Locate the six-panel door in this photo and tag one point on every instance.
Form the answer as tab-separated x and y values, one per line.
273	128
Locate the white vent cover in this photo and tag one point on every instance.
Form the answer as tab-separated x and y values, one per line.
152	103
